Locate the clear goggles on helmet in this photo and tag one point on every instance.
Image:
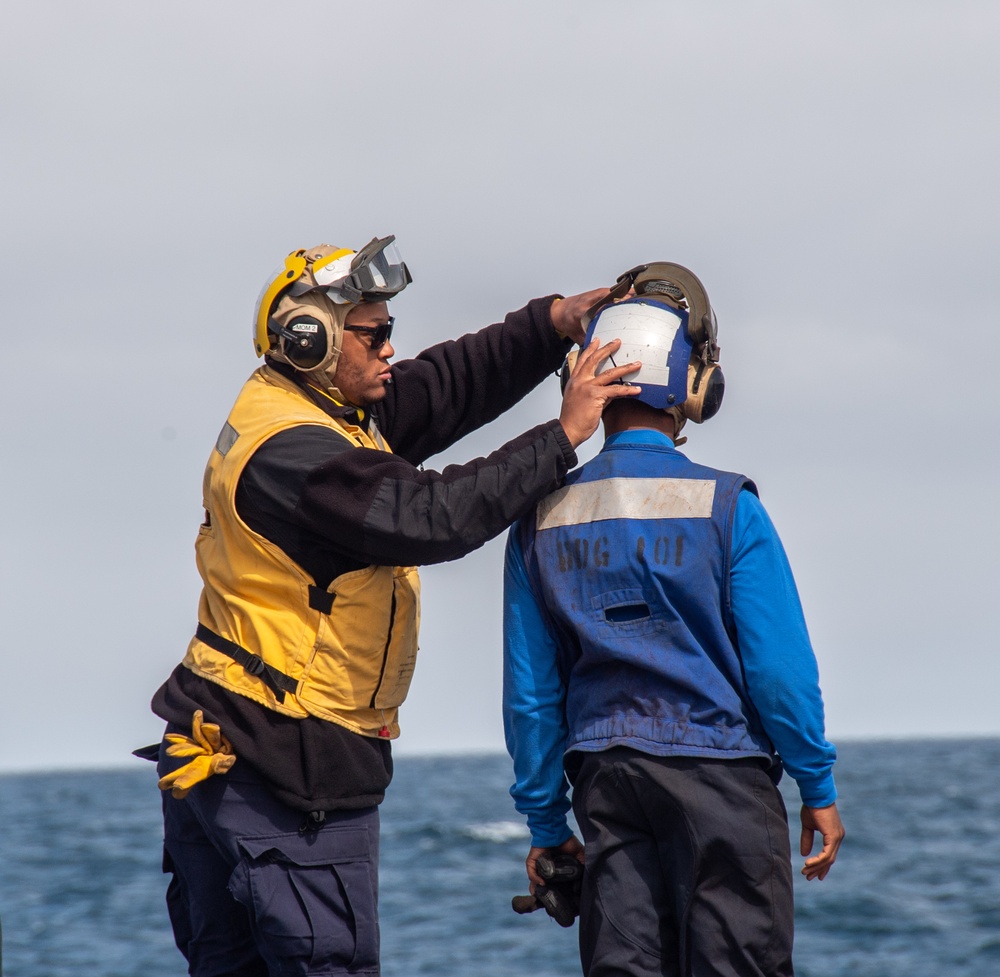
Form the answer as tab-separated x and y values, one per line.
373	274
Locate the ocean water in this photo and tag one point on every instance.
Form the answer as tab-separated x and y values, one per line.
915	893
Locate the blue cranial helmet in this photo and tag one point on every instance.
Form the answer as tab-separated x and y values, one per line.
656	335
670	327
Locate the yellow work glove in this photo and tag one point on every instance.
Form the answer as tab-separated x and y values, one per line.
211	753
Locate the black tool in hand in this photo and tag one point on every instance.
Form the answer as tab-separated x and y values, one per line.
560	895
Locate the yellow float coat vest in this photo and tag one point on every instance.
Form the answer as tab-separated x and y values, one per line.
347	653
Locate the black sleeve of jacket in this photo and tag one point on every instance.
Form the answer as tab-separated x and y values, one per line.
269	490
458	386
376	507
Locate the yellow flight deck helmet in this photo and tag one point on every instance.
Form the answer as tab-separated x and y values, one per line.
301	309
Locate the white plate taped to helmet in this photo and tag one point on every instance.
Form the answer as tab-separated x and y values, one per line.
647	333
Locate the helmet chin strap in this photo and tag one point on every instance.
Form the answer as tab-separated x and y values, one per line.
325	387
680	419
323	380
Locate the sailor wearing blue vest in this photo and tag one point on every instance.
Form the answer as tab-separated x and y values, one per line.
657	655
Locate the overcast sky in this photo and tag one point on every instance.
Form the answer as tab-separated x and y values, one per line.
829	170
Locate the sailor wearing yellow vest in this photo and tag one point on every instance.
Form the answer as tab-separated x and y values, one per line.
344	653
280	717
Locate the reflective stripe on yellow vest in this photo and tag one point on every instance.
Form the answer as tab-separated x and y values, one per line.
349	655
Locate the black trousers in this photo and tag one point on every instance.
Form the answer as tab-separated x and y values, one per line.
688	867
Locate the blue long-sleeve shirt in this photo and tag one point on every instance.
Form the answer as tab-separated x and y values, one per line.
780	667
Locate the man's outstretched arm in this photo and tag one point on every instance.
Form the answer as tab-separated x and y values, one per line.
455	387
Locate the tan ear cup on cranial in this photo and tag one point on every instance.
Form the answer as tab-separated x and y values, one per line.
312	328
308	349
569	364
706	387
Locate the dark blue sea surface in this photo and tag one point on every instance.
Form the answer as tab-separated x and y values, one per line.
916	892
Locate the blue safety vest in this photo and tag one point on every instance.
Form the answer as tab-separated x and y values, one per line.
631	560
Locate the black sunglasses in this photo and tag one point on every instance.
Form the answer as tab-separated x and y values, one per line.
378	335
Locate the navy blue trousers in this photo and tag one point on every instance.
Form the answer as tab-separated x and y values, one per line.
252	895
688	867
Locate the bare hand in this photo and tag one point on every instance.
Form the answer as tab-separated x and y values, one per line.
825	820
588	393
567	314
571	846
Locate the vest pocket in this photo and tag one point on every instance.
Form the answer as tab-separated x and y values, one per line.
625	612
401	646
365	649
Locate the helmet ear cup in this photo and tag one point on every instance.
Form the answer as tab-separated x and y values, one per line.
706	387
569	365
304	342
